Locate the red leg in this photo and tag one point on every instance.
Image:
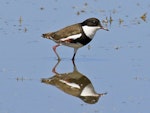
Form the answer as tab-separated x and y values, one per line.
54	48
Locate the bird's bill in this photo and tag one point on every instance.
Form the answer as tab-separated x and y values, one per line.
104	28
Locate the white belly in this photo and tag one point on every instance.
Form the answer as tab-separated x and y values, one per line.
73	45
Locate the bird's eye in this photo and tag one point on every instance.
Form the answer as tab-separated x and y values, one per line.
94	21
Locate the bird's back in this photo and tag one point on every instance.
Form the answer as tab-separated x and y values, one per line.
65	32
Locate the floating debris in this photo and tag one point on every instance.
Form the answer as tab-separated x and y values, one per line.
41	8
105	21
82	11
117	47
20	20
120	21
19	29
78	13
85	4
143	17
22	78
110	20
25	29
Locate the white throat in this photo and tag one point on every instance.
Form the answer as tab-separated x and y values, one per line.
89	91
90	30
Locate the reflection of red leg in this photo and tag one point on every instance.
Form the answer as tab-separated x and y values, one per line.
54	68
54	48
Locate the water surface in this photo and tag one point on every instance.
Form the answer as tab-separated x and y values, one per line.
115	62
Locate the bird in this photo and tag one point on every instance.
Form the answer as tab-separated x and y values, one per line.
76	35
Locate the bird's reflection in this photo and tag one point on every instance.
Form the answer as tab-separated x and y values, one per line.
75	84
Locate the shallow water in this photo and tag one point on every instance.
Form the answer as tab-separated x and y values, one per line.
116	62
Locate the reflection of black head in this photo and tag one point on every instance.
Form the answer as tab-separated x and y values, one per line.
90	99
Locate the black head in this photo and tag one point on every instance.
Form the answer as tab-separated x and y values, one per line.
93	22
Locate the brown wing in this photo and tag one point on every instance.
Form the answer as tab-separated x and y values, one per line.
65	32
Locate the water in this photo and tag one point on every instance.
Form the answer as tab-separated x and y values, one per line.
115	62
